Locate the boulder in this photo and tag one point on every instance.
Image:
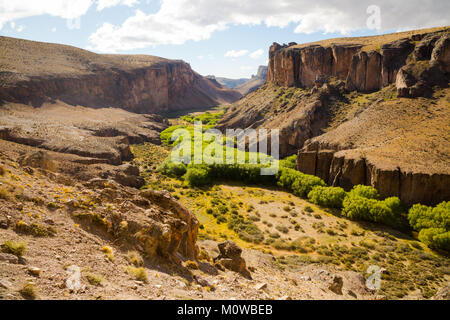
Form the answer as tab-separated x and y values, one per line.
424	48
417	79
8	258
336	284
230	258
441	53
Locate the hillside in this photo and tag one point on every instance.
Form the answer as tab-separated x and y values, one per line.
34	72
378	118
255	82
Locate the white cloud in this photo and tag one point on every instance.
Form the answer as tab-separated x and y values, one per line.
20	28
178	21
102	4
256	54
11	10
53	29
18	9
236	53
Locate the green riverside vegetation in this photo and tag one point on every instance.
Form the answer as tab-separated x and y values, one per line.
361	203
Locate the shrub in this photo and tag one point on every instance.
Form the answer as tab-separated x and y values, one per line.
309	209
4	194
28	291
297	182
35	229
421	216
357	207
330	197
192	265
94	279
138	273
135	258
2	170
197	176
433	224
108	253
365	192
289	162
15	248
282	229
245	230
172	169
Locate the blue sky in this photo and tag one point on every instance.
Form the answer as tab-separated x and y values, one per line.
227	38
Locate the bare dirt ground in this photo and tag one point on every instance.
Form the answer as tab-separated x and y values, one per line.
102	134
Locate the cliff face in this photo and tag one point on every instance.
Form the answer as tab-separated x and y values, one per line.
365	64
340	104
139	84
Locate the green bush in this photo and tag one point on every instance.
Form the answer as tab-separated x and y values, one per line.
365	192
172	169
331	197
361	208
433	224
197	176
289	162
245	230
437	238
421	216
297	182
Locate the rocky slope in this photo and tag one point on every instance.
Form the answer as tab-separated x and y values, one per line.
98	135
34	73
354	89
255	82
244	86
227	82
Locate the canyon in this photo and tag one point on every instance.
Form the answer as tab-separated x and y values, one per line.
369	110
34	73
81	184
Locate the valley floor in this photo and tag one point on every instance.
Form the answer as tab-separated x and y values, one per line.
303	251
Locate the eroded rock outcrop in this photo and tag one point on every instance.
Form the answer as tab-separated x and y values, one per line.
230	258
364	66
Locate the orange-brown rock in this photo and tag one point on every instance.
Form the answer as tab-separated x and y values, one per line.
366	63
34	73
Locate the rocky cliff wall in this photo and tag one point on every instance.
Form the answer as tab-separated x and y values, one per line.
364	68
345	168
161	87
34	73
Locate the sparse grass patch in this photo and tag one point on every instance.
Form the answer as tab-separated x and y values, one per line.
28	291
15	248
108	253
135	258
4	194
94	279
282	229
35	229
138	273
191	265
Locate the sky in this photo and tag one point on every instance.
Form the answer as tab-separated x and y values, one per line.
226	38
